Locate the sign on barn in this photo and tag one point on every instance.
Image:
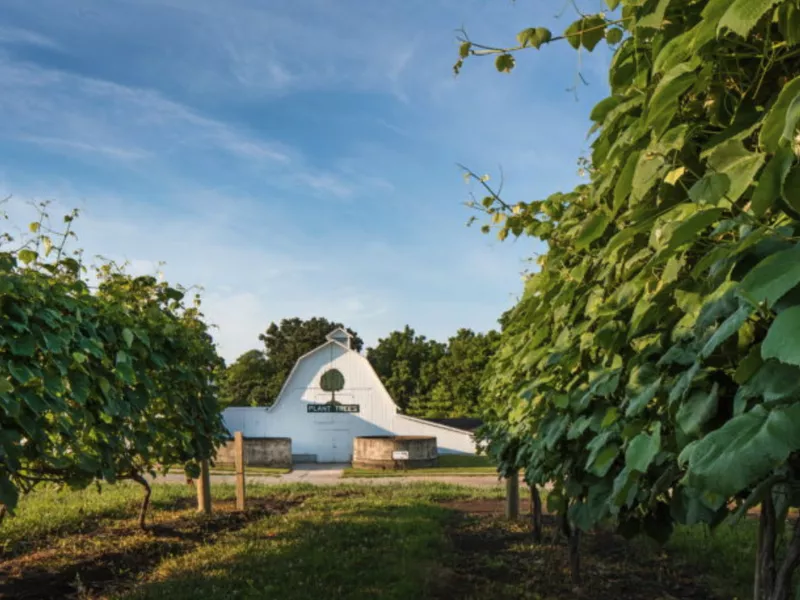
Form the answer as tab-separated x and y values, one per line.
332	408
331	396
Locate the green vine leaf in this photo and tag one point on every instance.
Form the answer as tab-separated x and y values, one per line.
504	63
792	119
586	32
790	189
624	186
770	184
771	383
773	277
775	122
663	106
649	171
743	451
534	36
789	23
27	256
738	164
655	19
614	35
710	189
726	330
743	15
592	229
642	450
783	338
698	409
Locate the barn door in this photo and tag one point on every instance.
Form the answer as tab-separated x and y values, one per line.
341	449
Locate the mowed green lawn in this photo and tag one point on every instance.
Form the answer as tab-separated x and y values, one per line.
299	542
421	541
449	464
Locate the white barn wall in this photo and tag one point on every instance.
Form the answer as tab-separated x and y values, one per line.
329	436
448	439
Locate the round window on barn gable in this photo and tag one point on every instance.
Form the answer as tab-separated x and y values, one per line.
332	381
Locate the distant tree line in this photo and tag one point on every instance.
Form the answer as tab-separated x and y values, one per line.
426	378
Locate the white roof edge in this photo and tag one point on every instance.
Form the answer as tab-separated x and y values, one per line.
432	424
337	330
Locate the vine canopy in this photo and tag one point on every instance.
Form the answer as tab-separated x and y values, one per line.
651	371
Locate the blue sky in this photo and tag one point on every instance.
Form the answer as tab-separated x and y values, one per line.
293	157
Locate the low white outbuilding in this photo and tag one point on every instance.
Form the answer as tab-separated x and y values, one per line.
331	396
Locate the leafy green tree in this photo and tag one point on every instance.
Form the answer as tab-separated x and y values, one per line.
244	383
458	373
287	341
407	364
649	373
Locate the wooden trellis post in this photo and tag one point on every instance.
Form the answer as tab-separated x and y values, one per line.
204	489
512	496
238	459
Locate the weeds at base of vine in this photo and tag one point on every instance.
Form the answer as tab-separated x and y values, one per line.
495	558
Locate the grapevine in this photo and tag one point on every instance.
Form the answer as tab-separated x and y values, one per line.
651	371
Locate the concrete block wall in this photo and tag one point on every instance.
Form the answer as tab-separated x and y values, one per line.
259	452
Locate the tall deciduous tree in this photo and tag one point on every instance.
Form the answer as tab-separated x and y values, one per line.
287	341
245	382
407	365
457	391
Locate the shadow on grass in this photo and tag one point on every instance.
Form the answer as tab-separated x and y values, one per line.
345	552
111	558
18	540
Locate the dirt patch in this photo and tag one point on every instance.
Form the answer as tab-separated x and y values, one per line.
496	559
495	507
110	558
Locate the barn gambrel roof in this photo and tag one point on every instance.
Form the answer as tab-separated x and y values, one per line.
332	342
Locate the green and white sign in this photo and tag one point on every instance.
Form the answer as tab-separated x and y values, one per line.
333	408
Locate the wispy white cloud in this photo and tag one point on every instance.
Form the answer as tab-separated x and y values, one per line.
70	146
67	112
327	184
15	35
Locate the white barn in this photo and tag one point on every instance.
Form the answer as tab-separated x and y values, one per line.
322	430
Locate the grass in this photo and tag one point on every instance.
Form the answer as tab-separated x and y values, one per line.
449	464
300	541
297	541
727	554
